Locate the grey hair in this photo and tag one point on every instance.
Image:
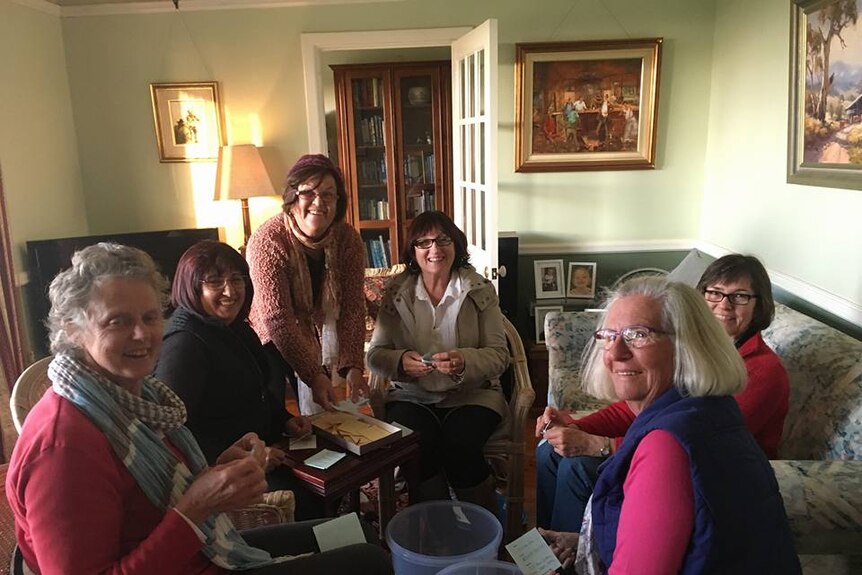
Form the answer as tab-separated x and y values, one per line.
71	290
705	360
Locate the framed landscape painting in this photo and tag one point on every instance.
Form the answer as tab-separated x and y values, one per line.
586	105
825	124
188	121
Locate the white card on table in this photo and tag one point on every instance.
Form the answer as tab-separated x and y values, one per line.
307	442
532	554
405	431
340	532
324	459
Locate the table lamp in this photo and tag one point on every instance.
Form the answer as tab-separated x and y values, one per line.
240	175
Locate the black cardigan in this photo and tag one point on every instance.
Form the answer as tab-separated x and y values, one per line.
222	375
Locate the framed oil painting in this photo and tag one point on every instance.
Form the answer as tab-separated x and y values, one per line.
582	280
549	279
188	121
825	139
586	105
541	312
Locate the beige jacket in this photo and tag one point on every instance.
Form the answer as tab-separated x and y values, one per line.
481	338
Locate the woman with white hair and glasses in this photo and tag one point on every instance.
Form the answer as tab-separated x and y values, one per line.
105	478
688	490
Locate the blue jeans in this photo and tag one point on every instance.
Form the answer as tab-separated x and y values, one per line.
563	487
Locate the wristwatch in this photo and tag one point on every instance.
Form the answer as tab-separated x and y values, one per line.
605	451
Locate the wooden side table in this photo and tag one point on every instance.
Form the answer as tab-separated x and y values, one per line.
353	471
537	365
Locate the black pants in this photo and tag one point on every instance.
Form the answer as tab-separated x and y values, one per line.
297	538
450	439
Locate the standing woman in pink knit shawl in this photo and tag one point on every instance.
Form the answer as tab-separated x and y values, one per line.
307	267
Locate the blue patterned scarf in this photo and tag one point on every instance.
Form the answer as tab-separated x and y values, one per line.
133	426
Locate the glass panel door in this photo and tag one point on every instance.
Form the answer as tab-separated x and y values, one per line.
371	169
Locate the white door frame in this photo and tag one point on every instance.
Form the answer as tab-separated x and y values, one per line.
314	44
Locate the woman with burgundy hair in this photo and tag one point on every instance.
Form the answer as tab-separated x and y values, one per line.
215	362
307	266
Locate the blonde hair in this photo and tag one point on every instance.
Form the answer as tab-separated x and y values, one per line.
705	360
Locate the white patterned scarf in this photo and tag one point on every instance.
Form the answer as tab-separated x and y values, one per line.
133	425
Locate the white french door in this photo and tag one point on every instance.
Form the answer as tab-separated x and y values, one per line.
474	143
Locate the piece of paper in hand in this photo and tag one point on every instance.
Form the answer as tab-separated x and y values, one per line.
340	532
532	554
307	442
324	459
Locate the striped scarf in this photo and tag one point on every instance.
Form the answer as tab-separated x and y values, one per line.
133	426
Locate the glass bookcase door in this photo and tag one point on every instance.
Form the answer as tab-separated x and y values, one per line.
418	177
378	247
370	145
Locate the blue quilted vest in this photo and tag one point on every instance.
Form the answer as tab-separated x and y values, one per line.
740	526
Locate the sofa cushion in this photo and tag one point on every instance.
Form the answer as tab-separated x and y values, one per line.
373	287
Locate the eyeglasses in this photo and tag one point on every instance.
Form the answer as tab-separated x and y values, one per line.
425	243
716	296
635	336
308	196
236	281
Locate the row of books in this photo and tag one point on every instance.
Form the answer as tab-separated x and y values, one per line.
371	131
372	172
371	209
419	169
418	203
378	252
367	92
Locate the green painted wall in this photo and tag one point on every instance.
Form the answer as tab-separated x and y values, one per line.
808	233
38	150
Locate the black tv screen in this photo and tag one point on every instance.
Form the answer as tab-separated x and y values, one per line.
46	258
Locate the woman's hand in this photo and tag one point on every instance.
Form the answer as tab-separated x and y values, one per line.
221	488
322	392
357	387
412	365
249	445
564	545
298	426
275	457
551	417
571	441
449	362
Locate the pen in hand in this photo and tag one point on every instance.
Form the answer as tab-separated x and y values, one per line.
546	427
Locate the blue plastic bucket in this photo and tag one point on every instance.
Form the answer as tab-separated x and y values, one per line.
482	568
428	537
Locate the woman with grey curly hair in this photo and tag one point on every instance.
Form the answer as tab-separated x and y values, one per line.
106	478
688	490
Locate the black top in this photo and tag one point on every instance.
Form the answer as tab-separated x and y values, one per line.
222	375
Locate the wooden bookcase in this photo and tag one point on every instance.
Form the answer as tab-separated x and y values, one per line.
394	147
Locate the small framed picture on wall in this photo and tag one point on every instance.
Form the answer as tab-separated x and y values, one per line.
582	280
550	281
541	312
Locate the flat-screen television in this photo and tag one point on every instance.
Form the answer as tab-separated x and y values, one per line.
46	258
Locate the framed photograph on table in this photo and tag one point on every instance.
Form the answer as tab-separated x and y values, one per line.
825	124
549	279
541	312
586	105
582	280
188	121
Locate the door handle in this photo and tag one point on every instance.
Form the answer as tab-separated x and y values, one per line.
502	271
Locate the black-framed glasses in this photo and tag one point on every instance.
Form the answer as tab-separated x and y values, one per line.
635	336
236	281
425	243
307	196
738	298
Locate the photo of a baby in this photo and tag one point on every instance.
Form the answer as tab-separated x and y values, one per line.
582	280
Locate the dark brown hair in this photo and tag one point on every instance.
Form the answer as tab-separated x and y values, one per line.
199	260
424	223
311	166
735	267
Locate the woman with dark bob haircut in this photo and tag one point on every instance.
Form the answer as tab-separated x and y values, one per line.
307	266
215	362
439	339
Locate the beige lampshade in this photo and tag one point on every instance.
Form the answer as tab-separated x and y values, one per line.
240	174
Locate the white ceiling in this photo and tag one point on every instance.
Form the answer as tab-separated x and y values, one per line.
96	7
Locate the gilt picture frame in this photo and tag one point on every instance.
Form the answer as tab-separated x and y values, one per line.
188	121
825	107
587	105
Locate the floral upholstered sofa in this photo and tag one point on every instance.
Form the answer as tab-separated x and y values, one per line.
820	470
